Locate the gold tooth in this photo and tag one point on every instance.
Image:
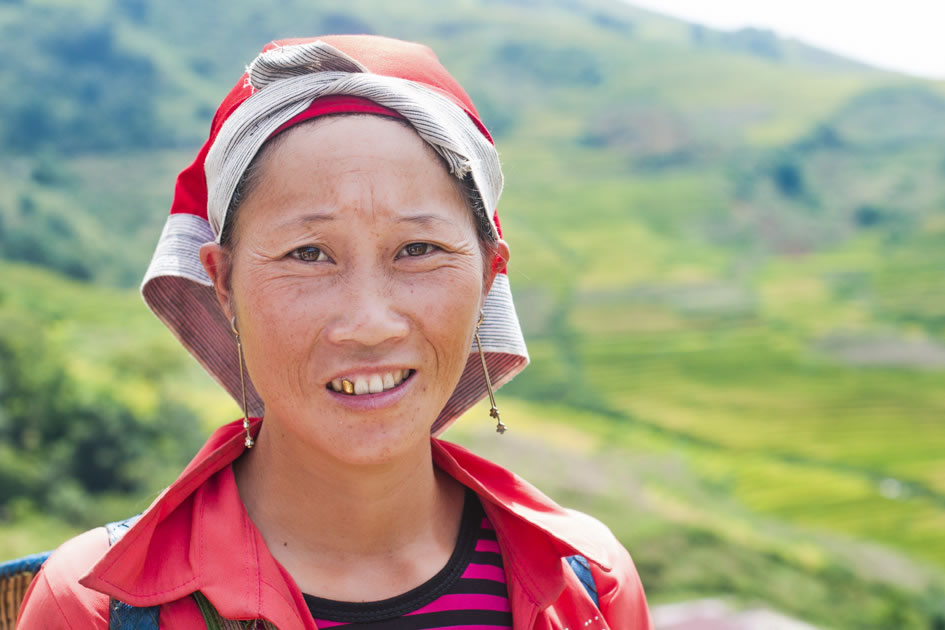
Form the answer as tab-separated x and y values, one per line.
347	386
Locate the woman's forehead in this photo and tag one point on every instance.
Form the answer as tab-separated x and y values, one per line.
341	136
371	163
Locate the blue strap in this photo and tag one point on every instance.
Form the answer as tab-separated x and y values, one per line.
582	570
27	564
122	616
118	529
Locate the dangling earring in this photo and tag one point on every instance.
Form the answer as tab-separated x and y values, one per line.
494	412
239	353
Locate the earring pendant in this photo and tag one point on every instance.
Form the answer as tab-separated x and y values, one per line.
500	427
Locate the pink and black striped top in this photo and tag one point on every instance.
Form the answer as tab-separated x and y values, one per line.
469	593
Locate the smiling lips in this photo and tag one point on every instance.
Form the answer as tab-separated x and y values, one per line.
374	384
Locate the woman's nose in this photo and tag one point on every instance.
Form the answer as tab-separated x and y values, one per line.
369	314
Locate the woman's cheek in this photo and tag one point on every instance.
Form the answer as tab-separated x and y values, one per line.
450	292
283	321
447	310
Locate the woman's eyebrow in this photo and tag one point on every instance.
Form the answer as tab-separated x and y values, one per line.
425	219
324	217
312	217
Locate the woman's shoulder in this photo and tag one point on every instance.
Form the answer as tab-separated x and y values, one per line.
536	517
610	549
55	598
616	579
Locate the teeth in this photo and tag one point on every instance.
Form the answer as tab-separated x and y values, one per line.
376	385
373	384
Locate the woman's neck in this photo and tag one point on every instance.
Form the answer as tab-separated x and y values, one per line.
367	526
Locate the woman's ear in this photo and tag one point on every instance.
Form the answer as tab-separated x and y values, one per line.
216	264
499	262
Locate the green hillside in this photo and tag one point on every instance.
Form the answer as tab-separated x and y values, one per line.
727	253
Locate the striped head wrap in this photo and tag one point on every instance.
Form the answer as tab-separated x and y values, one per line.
291	81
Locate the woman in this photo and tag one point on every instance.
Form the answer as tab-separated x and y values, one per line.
332	257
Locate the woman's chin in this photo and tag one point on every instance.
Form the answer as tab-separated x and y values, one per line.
352	438
377	445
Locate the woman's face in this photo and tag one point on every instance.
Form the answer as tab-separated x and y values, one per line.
355	258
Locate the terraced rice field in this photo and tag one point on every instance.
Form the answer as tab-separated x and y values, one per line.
852	450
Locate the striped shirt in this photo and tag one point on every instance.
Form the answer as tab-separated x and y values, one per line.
469	593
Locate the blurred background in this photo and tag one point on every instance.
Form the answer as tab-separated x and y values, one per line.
728	254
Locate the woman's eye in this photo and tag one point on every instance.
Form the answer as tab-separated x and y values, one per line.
417	249
310	254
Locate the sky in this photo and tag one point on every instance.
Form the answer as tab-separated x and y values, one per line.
903	35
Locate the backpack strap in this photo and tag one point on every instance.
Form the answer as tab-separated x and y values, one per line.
122	616
216	621
118	529
582	570
16	576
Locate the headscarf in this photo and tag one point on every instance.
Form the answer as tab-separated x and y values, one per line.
291	81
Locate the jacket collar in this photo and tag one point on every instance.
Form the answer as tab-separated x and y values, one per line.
197	536
512	496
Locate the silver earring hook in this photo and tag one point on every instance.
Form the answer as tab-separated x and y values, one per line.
239	355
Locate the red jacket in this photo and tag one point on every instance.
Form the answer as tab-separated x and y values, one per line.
198	536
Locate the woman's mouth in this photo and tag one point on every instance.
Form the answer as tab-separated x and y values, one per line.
373	384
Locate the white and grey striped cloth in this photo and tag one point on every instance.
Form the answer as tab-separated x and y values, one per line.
289	78
286	80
